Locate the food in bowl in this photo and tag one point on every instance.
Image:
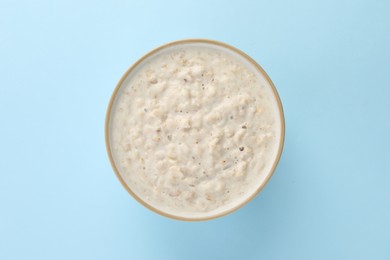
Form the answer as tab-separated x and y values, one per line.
194	129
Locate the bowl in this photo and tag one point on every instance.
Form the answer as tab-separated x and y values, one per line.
118	158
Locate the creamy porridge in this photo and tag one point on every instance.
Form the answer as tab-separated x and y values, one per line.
195	129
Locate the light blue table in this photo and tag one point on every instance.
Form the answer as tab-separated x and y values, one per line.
329	198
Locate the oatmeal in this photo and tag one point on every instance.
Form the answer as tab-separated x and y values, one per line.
195	129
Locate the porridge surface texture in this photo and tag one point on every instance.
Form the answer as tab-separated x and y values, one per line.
194	130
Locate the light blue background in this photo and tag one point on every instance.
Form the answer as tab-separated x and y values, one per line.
59	63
